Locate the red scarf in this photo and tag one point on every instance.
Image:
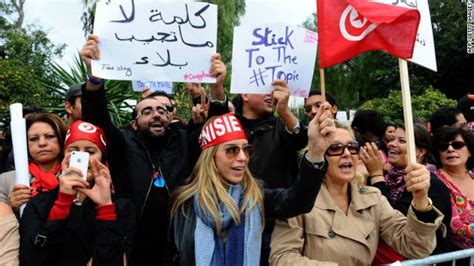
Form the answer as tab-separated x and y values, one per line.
44	181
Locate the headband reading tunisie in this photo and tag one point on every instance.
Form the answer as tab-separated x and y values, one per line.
81	130
221	129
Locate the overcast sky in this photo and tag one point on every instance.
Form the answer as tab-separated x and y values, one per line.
62	18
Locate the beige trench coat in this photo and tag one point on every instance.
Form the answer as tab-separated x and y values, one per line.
7	182
326	236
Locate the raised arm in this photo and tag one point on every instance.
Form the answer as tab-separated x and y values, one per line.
299	198
94	110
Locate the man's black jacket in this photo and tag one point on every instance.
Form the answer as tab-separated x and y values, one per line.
133	170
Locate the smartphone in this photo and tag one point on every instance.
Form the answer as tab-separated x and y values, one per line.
80	160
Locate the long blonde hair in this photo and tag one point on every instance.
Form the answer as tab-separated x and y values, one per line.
206	182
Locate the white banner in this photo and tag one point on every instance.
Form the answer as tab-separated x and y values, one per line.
265	53
145	40
424	52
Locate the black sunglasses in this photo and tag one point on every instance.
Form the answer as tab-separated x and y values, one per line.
232	151
455	144
338	148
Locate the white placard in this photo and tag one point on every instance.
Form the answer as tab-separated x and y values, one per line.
424	52
264	53
145	40
165	86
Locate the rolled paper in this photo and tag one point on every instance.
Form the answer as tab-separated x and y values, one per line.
16	111
20	150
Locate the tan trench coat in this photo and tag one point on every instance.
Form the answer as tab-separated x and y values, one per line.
7	182
326	236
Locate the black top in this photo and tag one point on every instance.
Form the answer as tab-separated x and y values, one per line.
76	239
439	194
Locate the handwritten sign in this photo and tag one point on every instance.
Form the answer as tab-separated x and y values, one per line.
139	85
264	53
145	40
424	52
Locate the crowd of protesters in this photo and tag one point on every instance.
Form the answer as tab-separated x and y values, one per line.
244	182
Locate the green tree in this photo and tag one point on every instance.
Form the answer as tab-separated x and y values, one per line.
423	105
26	54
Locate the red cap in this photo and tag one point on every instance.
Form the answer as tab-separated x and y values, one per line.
221	129
81	130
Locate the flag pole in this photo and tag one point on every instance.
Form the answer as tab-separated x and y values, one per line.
323	84
407	111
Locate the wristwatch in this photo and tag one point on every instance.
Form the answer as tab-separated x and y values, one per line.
317	165
296	129
221	102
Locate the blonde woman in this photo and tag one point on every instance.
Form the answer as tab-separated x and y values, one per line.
217	219
348	218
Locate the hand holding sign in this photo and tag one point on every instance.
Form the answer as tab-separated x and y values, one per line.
280	96
219	71
90	51
149	40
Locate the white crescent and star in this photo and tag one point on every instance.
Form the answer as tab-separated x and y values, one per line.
357	22
87	127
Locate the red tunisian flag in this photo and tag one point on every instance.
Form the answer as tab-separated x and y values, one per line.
350	27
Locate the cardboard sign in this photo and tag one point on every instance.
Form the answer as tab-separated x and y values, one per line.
145	40
265	53
139	85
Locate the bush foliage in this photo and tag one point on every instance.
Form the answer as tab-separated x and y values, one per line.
422	105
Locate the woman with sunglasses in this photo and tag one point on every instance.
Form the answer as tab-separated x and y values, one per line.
218	217
393	184
348	218
77	221
454	157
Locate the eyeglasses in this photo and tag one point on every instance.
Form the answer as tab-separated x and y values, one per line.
337	149
309	108
455	144
161	110
232	151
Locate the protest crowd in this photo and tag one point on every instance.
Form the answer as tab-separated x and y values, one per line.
243	182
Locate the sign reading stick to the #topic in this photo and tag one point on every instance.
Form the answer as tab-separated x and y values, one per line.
265	53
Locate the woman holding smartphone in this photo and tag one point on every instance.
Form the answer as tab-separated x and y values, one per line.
60	228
